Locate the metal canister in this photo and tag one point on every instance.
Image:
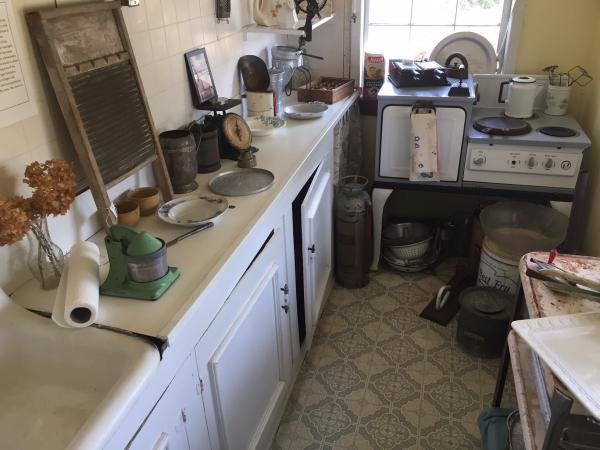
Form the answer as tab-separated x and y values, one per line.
207	141
353	232
179	149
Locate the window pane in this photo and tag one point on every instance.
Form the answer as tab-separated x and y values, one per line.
423	39
434	12
390	11
490	33
392	41
479	12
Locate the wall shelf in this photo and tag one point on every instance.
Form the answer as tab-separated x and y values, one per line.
253	28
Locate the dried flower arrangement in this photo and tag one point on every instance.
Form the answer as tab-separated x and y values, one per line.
53	184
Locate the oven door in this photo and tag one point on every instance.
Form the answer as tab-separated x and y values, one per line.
394	158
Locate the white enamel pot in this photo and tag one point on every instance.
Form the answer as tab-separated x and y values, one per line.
522	91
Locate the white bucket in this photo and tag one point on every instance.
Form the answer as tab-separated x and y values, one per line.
557	100
498	272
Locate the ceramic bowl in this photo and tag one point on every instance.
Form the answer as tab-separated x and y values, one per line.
148	198
128	212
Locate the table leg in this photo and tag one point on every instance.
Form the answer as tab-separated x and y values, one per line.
379	197
502	371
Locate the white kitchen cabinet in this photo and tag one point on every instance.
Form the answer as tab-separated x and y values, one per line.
244	359
177	421
317	239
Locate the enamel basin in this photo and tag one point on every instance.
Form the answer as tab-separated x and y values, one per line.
65	388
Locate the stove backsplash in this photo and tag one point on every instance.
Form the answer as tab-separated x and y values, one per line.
489	85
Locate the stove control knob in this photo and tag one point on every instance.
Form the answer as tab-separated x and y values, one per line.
565	165
479	160
531	162
549	164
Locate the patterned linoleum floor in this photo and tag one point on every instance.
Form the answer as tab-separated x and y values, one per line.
380	377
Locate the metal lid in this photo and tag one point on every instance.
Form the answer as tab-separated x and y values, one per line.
523	79
485	299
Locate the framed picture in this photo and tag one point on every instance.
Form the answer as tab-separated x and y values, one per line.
202	85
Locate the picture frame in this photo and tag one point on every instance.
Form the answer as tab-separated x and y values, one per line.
202	84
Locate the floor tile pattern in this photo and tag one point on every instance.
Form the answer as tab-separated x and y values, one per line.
380	377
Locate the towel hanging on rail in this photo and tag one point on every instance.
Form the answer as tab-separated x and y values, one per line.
424	144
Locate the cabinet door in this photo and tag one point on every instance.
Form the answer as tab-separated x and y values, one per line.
317	232
395	141
249	371
177	421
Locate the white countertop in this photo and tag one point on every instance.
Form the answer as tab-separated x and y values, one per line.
215	258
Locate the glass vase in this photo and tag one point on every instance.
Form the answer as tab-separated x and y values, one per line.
45	259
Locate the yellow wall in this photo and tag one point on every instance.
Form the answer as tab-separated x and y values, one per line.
567	33
559	32
591	123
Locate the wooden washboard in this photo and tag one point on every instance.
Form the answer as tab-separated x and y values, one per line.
90	62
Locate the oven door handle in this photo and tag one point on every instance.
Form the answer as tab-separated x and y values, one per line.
422	105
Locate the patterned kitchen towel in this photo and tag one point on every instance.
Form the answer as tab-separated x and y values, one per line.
424	145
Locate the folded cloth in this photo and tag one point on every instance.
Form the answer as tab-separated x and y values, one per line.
424	145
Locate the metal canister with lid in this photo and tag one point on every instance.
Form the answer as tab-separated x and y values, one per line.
483	320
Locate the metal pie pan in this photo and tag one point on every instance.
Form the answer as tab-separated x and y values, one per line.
240	182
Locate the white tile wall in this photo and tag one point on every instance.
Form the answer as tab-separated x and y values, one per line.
161	31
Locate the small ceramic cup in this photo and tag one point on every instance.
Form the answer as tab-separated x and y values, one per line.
148	199
128	212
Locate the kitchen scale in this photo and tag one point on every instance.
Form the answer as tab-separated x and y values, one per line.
138	265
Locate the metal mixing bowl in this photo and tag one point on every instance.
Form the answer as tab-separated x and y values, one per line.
406	241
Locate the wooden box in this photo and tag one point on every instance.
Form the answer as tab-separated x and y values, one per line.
327	90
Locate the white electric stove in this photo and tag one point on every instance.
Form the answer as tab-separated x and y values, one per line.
546	158
541	154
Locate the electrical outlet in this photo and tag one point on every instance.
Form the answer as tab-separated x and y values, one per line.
130	3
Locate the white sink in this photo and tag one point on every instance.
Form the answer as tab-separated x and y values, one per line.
63	388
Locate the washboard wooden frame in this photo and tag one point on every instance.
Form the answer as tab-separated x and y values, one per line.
90	62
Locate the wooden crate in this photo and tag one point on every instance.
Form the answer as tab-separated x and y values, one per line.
327	90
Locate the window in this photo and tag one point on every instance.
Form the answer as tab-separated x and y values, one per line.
411	28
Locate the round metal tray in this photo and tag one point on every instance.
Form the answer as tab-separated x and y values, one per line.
239	182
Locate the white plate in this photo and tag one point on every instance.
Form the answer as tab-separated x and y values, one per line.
193	210
264	125
305	111
570	346
479	52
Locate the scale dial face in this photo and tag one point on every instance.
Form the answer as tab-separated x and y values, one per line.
237	132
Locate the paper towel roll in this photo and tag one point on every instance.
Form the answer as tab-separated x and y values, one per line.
77	297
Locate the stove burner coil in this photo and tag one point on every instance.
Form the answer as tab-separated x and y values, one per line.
502	126
562	132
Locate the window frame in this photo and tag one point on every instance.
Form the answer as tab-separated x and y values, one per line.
512	11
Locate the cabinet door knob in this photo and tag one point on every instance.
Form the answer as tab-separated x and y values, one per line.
286	308
312	248
285	289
